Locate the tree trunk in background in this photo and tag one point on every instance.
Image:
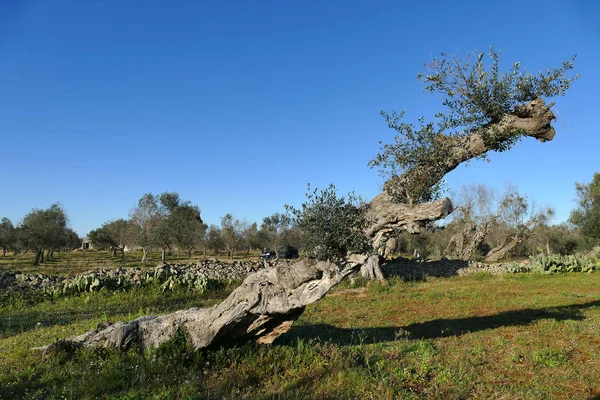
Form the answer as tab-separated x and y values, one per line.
145	255
163	255
38	255
464	244
502	251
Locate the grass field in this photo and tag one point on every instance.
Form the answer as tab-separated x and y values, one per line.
72	263
486	337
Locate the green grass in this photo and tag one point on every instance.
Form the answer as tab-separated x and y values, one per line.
72	263
510	337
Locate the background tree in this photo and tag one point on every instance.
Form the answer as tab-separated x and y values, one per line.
145	220
44	229
587	214
519	217
8	235
277	229
254	238
232	230
72	241
111	235
214	240
493	225
188	227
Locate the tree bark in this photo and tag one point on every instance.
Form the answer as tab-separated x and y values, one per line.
371	269
386	218
531	119
501	251
145	255
262	308
463	244
38	255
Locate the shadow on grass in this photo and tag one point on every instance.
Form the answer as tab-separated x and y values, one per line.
436	328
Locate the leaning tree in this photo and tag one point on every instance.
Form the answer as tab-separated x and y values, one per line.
484	110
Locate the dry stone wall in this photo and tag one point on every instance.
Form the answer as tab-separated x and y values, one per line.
198	276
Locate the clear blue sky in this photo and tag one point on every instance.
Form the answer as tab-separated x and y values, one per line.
237	105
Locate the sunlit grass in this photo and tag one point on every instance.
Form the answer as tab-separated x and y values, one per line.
524	336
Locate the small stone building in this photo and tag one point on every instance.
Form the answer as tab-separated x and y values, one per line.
86	244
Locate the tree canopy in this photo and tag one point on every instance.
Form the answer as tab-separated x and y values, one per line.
45	229
587	214
483	111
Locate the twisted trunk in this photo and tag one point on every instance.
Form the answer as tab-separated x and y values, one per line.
262	308
463	244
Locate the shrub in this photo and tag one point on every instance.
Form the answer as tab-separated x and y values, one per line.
331	226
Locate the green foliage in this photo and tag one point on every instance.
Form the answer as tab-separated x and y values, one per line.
165	278
46	229
476	97
331	226
517	268
232	232
277	230
165	220
556	263
587	215
8	235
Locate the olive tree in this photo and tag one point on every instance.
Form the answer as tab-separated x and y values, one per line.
111	235
8	235
276	228
587	214
232	233
145	221
43	229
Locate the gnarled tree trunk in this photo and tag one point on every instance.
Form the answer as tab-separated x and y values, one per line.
262	308
463	244
502	251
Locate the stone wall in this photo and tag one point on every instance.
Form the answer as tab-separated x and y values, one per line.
209	269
